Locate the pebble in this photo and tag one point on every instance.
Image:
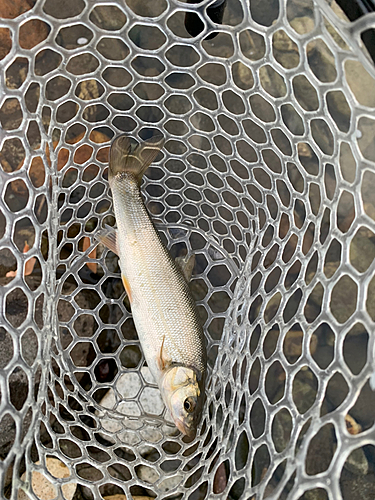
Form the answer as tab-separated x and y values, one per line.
43	487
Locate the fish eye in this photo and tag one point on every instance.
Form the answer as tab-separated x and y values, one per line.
189	405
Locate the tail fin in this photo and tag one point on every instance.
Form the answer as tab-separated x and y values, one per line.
124	157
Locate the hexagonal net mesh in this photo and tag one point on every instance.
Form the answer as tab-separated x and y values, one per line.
267	175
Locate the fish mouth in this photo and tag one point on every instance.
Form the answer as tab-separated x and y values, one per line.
187	431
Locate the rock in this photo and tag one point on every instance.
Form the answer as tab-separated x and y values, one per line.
129	384
322	63
365	134
108	17
7	435
357	487
314	303
292	346
243	77
344	298
10	9
315	494
12	155
357	463
272	307
302	24
5	41
32	33
304	390
360	82
336	37
220	479
367	191
281	429
362	249
321	450
370	302
6	349
299	8
363	409
147	474
285	50
43	487
330	268
89	89
169	483
272	82
123	497
11	114
336	392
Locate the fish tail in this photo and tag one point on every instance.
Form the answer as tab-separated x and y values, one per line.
124	157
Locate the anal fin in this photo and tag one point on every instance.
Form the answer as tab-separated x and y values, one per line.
108	237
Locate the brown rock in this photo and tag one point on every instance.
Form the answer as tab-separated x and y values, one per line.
124	497
303	24
32	33
43	487
5	41
10	9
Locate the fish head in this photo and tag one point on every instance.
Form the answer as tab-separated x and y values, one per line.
183	396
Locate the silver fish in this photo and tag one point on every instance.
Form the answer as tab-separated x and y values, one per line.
163	310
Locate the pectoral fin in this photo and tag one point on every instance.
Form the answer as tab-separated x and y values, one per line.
186	265
162	360
127	288
108	237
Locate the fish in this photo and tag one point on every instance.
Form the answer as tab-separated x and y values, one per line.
164	312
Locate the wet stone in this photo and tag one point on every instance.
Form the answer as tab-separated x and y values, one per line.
44	488
6	348
292	346
16	307
17	73
302	24
355	487
304	390
285	50
321	450
362	249
363	409
71	8
32	33
18	385
281	428
357	463
5	42
11	114
7	435
344	298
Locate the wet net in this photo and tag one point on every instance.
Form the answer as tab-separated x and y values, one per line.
267	175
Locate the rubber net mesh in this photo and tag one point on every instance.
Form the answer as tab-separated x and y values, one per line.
267	175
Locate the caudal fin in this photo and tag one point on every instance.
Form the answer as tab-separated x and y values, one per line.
135	160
